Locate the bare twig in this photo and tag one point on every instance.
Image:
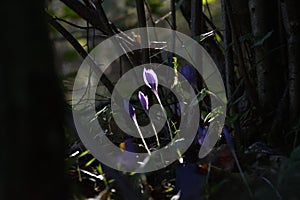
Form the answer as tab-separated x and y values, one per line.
80	50
140	8
173	14
72	24
89	14
103	18
212	25
208	9
150	13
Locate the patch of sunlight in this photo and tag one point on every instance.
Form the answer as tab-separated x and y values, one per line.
208	1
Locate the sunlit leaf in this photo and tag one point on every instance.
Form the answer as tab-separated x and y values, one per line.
218	38
111	180
208	1
132	173
83	153
90	162
170	189
213	114
99	169
200	96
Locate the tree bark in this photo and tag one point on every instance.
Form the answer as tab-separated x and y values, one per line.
31	104
196	17
265	19
291	18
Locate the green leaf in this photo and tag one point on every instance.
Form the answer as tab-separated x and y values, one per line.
90	162
132	173
262	40
99	169
200	96
170	189
208	1
79	173
111	180
175	62
83	153
213	114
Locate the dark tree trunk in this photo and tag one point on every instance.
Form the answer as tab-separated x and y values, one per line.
269	61
271	68
291	18
32	137
196	17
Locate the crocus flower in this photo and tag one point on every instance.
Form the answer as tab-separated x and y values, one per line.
127	145
189	73
228	138
201	134
150	79
178	110
131	111
144	101
145	104
129	108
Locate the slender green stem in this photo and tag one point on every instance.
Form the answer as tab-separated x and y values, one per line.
165	114
154	129
141	135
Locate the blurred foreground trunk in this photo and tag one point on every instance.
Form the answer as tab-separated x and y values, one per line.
32	140
271	68
266	27
291	20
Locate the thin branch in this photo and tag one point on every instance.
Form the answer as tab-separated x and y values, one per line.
141	13
212	25
173	14
163	18
150	13
89	14
72	24
208	9
103	18
80	50
140	8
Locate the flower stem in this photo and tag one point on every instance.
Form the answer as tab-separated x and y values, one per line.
165	114
154	129
141	135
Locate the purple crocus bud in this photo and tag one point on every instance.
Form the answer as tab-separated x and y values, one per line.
144	100
129	108
201	134
228	137
178	110
189	73
150	79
